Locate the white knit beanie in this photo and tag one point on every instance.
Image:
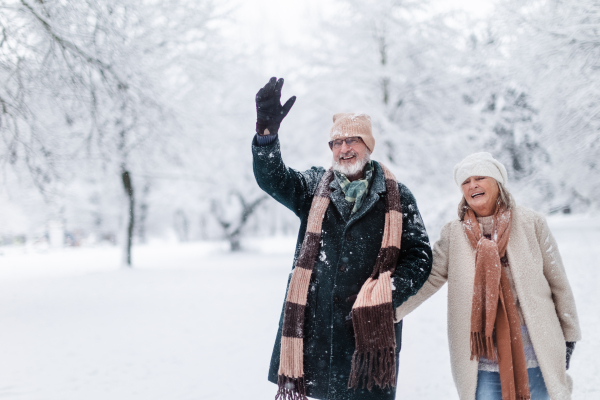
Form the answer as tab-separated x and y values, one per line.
480	164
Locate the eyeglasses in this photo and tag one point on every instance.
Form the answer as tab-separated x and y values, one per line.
351	141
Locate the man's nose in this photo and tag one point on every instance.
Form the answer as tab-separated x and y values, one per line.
345	147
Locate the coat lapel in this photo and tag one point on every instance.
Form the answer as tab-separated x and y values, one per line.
519	257
377	187
339	199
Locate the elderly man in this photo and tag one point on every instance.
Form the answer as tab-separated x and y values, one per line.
362	250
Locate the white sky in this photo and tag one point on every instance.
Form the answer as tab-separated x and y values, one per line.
477	8
289	20
265	27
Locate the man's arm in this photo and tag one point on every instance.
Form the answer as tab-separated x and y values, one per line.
291	188
414	263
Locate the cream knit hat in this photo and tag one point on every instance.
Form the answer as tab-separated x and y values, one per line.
353	124
480	164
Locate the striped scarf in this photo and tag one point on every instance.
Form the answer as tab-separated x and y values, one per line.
373	361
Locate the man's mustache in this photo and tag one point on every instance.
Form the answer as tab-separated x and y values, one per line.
347	154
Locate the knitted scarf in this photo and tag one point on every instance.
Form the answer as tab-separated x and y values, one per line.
356	191
373	361
494	307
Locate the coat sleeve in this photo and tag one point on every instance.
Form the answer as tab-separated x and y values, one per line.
437	278
291	188
556	276
414	262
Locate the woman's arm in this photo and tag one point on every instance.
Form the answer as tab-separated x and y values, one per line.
556	276
414	262
437	278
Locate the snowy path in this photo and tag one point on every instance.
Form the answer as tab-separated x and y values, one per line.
194	323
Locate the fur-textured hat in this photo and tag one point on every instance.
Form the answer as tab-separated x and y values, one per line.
480	164
353	124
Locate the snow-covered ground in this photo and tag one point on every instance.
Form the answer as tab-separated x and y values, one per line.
191	321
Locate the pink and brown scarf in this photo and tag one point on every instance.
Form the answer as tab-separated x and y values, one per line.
374	360
494	307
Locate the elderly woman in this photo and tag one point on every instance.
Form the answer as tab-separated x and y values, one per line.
512	323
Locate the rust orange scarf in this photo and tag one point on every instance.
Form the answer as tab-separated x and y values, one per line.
494	307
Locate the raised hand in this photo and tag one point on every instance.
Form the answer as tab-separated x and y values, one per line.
269	111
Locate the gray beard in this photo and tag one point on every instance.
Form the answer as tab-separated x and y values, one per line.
351	170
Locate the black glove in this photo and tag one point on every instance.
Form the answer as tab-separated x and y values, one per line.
570	349
269	111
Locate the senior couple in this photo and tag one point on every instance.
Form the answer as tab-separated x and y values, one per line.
363	261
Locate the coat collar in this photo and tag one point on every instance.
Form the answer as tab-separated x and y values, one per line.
339	199
376	188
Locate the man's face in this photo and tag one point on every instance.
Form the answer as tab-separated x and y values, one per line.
349	158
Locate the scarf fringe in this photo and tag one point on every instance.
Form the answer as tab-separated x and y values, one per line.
483	346
523	397
377	366
290	388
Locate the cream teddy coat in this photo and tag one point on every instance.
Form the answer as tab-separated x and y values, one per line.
544	293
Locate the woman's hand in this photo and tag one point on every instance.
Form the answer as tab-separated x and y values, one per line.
570	349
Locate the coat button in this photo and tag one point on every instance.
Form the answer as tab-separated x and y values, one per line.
342	268
349	237
336	299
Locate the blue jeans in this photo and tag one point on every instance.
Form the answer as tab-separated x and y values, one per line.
488	385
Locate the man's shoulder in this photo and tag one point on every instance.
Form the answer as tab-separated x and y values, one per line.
402	188
405	191
406	195
314	173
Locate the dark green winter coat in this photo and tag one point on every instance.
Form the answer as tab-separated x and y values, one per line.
350	244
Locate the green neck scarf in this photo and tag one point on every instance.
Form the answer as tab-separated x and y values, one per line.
356	191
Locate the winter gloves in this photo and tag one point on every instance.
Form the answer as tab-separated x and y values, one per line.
269	111
570	348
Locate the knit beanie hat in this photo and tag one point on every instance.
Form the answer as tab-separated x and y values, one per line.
480	164
352	124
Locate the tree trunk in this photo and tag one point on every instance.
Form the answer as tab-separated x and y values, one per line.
385	81
233	232
143	213
181	225
129	191
234	242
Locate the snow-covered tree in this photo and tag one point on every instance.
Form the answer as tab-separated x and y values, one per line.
529	70
92	86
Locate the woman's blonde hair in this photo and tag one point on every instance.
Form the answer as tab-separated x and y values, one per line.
504	198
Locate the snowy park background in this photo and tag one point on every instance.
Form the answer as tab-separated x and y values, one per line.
193	321
138	257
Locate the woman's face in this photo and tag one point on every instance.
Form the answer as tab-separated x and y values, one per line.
481	193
